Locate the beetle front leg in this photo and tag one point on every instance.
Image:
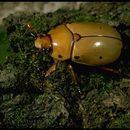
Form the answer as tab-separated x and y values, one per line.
52	68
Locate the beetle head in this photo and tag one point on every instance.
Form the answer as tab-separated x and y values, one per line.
43	42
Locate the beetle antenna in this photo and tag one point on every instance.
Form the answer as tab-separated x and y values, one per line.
32	35
29	26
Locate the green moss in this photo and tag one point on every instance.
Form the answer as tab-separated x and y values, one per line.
121	122
29	100
4	52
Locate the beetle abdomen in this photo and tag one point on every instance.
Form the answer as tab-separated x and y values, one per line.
96	50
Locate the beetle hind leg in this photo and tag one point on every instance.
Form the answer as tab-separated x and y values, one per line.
110	70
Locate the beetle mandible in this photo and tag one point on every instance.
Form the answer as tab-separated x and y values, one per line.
93	44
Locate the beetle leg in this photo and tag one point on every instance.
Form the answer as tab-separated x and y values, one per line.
110	70
52	68
74	77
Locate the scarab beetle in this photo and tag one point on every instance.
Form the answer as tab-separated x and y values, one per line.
93	44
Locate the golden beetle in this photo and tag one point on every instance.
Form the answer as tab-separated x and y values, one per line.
93	44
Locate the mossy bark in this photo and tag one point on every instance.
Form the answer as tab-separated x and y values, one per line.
29	100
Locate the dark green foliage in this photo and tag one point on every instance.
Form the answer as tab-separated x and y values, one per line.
29	100
3	44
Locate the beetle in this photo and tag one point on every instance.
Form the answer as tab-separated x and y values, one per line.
93	44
